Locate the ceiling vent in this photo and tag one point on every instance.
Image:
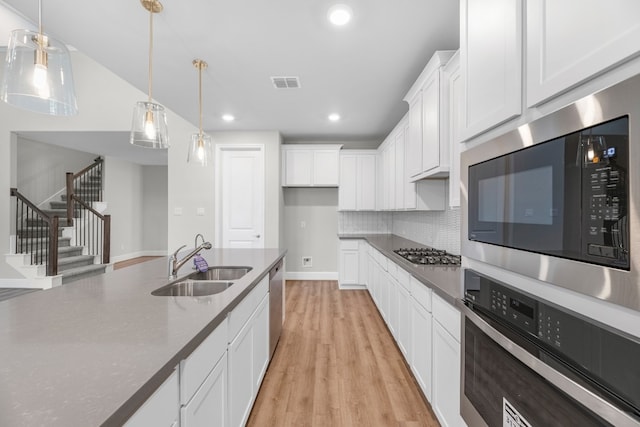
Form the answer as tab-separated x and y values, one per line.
286	82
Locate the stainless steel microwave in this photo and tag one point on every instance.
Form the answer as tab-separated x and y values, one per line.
558	199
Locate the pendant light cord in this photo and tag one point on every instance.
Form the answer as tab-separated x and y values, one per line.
200	94
40	17
150	49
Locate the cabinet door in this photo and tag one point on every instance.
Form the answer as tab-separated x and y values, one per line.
392	320
431	123
410	196
162	409
326	168
241	376
491	64
208	405
404	321
260	344
446	377
455	108
571	40
420	353
414	161
298	167
349	268
399	178
348	189
367	182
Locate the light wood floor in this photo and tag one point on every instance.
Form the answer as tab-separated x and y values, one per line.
337	365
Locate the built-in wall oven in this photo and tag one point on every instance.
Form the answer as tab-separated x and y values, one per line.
554	204
558	199
528	363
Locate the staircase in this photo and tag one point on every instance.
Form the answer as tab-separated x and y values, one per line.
79	253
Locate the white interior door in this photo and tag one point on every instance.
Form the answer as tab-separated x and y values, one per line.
241	172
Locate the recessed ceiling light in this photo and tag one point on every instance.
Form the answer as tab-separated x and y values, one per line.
334	117
228	117
340	14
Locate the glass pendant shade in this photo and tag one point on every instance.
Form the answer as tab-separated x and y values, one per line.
37	75
200	152
149	125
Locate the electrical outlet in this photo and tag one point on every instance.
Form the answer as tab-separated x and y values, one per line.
303	224
306	261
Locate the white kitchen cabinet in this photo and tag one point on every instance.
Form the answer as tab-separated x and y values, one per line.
363	263
357	190
399	178
570	41
349	263
446	363
455	88
403	335
248	355
421	347
392	295
162	409
428	112
491	62
310	165
208	407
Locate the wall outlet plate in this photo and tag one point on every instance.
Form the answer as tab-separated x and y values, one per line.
307	261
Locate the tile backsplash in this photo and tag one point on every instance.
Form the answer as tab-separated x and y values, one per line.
439	229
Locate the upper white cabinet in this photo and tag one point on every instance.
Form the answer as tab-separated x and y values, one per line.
427	140
491	60
314	165
571	40
454	83
357	191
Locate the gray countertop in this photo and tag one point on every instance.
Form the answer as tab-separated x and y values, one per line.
446	281
91	352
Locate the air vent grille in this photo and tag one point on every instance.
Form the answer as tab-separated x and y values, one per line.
286	82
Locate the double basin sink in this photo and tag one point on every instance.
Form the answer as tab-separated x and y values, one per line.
213	281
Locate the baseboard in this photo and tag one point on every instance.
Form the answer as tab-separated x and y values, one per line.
311	275
126	257
352	287
17	283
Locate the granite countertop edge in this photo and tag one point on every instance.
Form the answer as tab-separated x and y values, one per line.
446	281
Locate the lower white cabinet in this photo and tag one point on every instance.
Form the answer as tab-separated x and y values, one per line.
208	407
403	333
162	409
349	263
445	399
421	347
248	359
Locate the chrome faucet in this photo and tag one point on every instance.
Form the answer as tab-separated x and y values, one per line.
174	264
195	245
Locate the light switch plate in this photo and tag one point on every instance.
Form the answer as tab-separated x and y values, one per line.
200	211
177	211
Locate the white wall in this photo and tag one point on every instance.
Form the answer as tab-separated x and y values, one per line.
318	209
192	187
154	208
41	168
106	106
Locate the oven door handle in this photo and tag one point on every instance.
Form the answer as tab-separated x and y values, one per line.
590	400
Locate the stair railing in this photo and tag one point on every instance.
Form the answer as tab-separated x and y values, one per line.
93	230
38	235
89	180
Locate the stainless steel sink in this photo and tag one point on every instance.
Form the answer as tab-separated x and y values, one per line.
193	288
221	273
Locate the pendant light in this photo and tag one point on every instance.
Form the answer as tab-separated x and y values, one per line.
37	75
200	147
149	126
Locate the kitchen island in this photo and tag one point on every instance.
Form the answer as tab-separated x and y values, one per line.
92	352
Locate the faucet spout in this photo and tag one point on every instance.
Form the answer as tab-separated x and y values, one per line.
174	264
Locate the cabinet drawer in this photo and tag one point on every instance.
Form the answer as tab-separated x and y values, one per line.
392	268
161	409
243	311
208	405
448	316
349	244
195	368
421	293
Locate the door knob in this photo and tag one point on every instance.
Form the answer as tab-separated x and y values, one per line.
257	236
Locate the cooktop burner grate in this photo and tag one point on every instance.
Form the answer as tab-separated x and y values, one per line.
428	256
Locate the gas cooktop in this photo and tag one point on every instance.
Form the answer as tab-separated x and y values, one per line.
428	256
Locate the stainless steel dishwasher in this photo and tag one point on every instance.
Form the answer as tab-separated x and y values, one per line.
275	306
